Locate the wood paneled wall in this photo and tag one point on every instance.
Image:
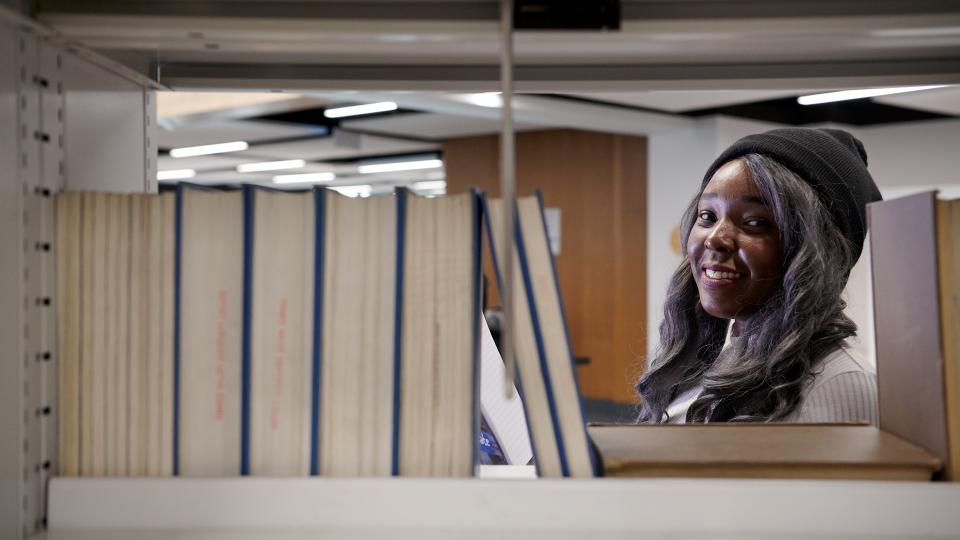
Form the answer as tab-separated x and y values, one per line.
598	181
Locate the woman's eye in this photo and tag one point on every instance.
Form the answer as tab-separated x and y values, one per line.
757	222
705	215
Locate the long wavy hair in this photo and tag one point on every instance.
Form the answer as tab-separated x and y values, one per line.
764	370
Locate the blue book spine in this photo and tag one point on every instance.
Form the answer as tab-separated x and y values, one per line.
249	201
178	261
476	271
319	199
401	201
485	209
538	337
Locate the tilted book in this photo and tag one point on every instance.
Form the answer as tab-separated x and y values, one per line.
545	366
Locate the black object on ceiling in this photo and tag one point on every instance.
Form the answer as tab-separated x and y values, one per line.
856	112
566	15
314	116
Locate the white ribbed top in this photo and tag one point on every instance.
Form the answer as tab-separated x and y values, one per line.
844	389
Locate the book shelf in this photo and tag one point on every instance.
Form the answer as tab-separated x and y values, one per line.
431	508
73	120
69	119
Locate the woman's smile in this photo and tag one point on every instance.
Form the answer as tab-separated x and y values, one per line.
717	276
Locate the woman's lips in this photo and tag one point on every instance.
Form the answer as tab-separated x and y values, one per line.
716	278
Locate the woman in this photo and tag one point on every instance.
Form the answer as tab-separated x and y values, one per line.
770	239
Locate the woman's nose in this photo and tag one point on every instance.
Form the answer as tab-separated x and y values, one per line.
721	237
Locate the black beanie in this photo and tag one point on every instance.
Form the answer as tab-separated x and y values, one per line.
832	161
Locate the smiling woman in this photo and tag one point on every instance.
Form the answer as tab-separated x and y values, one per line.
754	328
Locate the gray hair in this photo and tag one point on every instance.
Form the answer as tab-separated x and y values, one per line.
764	370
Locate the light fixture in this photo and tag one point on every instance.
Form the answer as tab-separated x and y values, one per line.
176	174
357	110
396	166
485	99
271	165
431	185
843	95
917	32
354	191
303	178
207	149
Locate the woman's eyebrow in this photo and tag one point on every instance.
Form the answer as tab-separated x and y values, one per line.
747	199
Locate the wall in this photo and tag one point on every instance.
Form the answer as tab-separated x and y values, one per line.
109	131
598	181
677	162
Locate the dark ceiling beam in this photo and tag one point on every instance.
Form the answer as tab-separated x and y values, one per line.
747	9
280	9
545	78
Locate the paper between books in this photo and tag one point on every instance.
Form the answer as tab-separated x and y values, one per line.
504	413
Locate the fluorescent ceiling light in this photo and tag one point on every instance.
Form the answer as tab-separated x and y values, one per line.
486	99
917	32
400	166
176	174
430	186
219	148
843	95
271	165
356	110
354	191
303	178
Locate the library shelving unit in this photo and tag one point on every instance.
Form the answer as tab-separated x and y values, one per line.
70	119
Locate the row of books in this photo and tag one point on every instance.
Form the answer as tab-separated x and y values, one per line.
262	332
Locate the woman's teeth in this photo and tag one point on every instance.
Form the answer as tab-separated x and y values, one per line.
715	274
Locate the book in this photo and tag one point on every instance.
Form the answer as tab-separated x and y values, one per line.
95	362
545	365
136	360
916	294
356	361
278	331
437	365
208	332
167	314
69	208
742	450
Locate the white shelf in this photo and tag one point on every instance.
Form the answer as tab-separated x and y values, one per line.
237	508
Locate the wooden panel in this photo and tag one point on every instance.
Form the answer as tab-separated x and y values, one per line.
598	181
906	313
757	450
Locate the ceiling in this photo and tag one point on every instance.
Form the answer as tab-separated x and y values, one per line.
670	62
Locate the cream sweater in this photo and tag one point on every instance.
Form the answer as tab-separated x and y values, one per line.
844	389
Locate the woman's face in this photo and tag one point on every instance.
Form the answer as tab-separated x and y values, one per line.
734	245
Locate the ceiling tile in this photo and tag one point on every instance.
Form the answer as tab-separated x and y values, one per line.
194	134
340	147
431	126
